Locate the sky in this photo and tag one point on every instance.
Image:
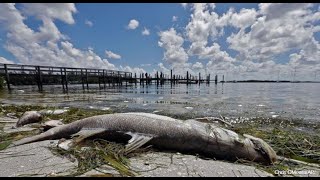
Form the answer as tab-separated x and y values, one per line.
266	41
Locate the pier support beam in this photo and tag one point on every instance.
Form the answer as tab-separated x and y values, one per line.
66	78
62	79
39	78
187	77
87	79
7	77
82	79
104	79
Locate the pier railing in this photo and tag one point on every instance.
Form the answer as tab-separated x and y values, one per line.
40	75
18	74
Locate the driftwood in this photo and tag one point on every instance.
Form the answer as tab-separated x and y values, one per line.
215	119
288	160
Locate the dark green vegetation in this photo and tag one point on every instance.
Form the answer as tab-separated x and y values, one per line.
292	139
287	139
92	154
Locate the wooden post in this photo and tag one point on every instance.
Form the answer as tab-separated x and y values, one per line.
157	77
104	79
87	79
199	78
135	78
82	81
99	79
112	78
187	77
118	78
125	78
66	78
62	79
171	76
216	79
39	78
7	76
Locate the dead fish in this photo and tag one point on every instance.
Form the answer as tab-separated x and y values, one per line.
166	133
29	117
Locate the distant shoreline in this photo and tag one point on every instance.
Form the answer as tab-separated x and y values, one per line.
268	81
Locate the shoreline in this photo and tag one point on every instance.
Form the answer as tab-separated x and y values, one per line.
271	130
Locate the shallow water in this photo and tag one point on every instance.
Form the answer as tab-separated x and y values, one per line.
275	100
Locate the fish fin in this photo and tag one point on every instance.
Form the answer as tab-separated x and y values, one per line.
85	133
137	140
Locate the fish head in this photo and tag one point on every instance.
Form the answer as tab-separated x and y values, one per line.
230	145
263	148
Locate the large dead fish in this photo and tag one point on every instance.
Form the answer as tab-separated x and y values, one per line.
167	133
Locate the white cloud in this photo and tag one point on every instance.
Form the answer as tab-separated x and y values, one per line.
275	33
112	55
172	43
259	36
146	32
133	70
88	23
244	18
184	5
5	61
197	65
47	46
133	24
174	18
61	11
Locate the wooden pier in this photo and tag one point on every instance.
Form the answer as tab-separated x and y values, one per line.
17	74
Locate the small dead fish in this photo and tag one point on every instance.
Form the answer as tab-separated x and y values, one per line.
29	117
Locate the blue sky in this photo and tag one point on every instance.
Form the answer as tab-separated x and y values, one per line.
231	38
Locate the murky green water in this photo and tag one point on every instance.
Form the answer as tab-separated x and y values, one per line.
290	100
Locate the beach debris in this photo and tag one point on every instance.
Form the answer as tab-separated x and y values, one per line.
65	144
12	115
20	91
189	108
105	108
54	112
